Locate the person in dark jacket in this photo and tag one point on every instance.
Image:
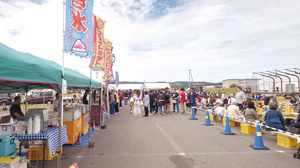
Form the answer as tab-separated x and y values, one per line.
155	94
160	102
274	118
15	109
296	123
266	100
126	97
130	93
152	100
167	103
192	96
85	97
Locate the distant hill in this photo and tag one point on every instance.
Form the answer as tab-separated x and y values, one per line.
185	84
176	84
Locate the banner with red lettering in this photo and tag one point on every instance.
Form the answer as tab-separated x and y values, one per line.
108	59
97	63
79	32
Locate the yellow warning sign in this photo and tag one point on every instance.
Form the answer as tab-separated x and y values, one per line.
259	134
206	117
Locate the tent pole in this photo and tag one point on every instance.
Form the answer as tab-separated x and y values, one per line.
107	101
90	102
61	109
101	99
26	97
44	99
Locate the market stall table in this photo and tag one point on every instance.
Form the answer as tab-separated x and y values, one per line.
51	134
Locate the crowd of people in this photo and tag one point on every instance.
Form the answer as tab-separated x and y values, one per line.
239	105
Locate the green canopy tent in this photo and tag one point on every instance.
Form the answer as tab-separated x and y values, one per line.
22	71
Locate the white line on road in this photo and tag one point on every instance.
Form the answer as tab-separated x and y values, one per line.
254	152
182	154
79	157
175	146
280	151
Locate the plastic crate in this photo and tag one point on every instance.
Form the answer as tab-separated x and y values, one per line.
287	142
36	153
247	129
211	116
291	115
289	109
231	123
285	114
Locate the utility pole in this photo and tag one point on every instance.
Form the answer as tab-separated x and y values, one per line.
189	78
192	79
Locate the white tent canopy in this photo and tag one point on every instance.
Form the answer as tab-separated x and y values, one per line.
157	85
129	86
140	86
110	87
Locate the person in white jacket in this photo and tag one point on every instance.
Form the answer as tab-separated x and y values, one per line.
234	111
137	103
146	103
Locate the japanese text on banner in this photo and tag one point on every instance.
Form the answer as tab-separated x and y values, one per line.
79	36
97	63
108	59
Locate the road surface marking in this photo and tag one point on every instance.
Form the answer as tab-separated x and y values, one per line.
79	157
175	146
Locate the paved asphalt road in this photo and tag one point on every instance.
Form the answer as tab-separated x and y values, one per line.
173	141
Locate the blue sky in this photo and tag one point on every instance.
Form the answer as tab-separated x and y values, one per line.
160	40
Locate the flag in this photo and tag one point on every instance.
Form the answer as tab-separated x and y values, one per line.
117	79
79	35
107	83
111	77
107	59
97	63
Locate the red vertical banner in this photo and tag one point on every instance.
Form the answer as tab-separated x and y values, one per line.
108	59
97	63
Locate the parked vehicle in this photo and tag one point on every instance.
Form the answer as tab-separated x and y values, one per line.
41	98
6	99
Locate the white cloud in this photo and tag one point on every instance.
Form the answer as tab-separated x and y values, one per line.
158	41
